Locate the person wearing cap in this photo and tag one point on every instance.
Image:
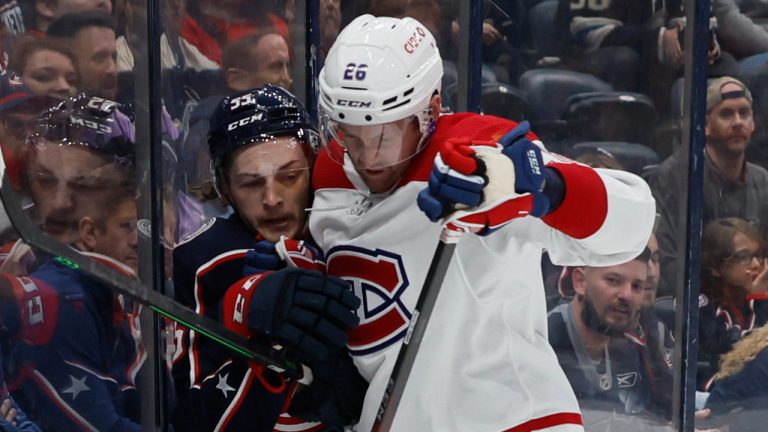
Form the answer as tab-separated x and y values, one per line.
603	366
262	147
733	187
19	108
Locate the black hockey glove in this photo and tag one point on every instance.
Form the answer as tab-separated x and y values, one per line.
301	310
335	396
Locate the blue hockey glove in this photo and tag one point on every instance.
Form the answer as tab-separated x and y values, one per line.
267	256
302	310
481	185
262	258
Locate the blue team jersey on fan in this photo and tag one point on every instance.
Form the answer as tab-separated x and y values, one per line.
81	375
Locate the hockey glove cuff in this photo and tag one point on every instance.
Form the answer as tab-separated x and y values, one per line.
302	310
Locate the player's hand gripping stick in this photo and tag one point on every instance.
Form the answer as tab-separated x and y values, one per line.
449	188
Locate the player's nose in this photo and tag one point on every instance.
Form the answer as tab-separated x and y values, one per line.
272	194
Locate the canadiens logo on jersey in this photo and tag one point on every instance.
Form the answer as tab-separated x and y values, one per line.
379	280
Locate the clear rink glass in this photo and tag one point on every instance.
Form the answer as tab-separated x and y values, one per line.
102	190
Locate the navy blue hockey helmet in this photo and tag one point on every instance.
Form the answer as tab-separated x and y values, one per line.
256	115
91	122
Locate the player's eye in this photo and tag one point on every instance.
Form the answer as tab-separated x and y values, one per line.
290	175
253	182
44	179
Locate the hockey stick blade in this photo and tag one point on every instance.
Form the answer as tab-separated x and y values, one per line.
415	332
134	289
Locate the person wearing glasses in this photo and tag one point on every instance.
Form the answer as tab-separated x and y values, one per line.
733	186
734	290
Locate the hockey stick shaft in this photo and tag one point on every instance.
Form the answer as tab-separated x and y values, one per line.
393	393
136	290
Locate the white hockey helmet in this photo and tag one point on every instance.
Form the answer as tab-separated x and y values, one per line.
380	70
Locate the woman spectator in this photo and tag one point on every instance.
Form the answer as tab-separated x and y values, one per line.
734	283
739	396
46	67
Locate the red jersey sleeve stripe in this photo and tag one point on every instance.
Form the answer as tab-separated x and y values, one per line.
585	204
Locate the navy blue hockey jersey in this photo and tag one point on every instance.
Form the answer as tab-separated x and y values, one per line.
74	366
212	382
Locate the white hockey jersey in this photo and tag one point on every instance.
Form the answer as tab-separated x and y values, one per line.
484	363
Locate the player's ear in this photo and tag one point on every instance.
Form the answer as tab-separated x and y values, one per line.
435	105
236	79
87	233
578	279
706	125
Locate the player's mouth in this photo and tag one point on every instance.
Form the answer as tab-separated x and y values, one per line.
56	226
373	172
621	311
277	224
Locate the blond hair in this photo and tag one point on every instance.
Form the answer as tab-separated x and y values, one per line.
743	352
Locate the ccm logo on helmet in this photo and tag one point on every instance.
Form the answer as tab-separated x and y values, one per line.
245	121
415	40
90	124
353	103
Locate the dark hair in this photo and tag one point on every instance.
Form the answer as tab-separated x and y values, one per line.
717	247
121	194
239	53
26	46
69	25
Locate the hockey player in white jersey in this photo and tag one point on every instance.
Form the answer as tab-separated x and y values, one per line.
484	363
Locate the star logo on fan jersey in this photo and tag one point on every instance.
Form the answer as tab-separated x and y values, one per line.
77	386
224	386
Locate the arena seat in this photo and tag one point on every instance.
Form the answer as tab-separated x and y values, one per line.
610	116
633	156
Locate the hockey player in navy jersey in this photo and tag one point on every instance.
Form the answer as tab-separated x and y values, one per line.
77	349
484	363
262	147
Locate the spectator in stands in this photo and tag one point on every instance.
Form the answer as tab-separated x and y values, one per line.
19	108
330	25
209	25
91	37
82	341
617	40
655	338
734	290
738	28
587	334
257	59
47	67
612	40
175	50
739	394
48	11
12	22
732	185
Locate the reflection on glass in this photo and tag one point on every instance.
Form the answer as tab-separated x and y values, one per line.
74	346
